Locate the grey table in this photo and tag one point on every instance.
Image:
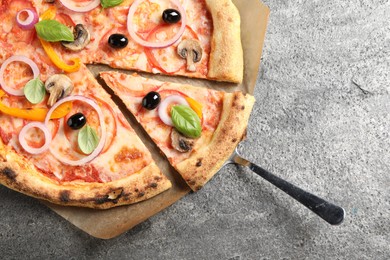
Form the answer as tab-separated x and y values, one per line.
321	121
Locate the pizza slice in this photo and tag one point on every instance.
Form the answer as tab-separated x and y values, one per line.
69	145
196	128
192	38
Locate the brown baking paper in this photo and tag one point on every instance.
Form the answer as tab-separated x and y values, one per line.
110	223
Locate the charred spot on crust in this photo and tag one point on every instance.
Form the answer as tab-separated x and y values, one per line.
113	196
153	185
242	107
101	200
234	140
199	163
191	182
9	173
141	194
198	187
136	190
64	196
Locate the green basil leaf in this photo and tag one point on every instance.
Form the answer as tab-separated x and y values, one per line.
110	3
53	31
35	90
186	121
87	139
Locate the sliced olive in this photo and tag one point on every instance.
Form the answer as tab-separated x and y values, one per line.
151	100
118	41
171	16
76	121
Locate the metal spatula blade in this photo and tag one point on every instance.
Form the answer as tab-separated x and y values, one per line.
329	212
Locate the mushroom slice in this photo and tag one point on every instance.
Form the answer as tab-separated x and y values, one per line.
191	51
180	142
81	38
59	86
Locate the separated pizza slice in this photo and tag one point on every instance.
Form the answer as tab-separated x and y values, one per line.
196	128
70	146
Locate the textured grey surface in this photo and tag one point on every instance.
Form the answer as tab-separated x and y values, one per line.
321	121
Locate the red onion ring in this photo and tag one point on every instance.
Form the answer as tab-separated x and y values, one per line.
21	58
102	140
81	9
163	44
162	108
24	144
31	20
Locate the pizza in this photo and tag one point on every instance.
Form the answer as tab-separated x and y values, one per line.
64	140
132	36
197	154
122	173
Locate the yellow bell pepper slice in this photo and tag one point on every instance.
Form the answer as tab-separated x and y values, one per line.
196	106
50	13
62	110
35	114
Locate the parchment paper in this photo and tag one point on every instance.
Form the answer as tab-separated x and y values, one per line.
110	223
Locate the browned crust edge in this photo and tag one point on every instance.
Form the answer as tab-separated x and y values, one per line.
17	173
226	62
204	163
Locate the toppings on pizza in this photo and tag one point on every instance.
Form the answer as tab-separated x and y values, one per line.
180	142
151	100
80	6
196	128
191	50
81	38
118	41
76	121
196	106
27	18
165	108
34	91
110	3
26	146
61	133
171	16
160	43
177	111
53	31
186	121
3	70
49	14
87	139
34	114
59	86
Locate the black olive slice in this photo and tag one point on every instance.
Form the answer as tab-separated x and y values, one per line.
151	100
76	121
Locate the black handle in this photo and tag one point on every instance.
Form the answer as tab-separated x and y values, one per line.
331	213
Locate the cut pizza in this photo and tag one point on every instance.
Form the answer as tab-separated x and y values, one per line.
63	139
196	128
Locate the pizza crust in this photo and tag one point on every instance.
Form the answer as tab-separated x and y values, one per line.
226	62
17	173
203	164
